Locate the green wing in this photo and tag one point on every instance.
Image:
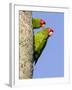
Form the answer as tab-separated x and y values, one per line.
40	39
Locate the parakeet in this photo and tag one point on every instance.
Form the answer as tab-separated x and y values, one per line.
37	23
40	39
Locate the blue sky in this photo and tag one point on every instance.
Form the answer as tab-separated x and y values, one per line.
51	62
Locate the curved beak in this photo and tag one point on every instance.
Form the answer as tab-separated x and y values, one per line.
50	31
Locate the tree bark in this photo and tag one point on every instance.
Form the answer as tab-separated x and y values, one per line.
25	45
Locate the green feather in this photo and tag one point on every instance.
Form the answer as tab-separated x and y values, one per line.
40	39
36	22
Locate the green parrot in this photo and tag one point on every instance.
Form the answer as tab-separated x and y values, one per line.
37	23
40	40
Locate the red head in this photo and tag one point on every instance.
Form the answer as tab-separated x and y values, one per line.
42	23
50	31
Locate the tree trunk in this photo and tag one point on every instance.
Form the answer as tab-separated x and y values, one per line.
25	45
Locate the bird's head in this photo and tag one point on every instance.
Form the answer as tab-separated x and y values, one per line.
42	23
50	31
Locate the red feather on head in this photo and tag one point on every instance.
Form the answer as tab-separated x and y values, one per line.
42	22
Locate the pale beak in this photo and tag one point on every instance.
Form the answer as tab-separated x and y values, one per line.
43	25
